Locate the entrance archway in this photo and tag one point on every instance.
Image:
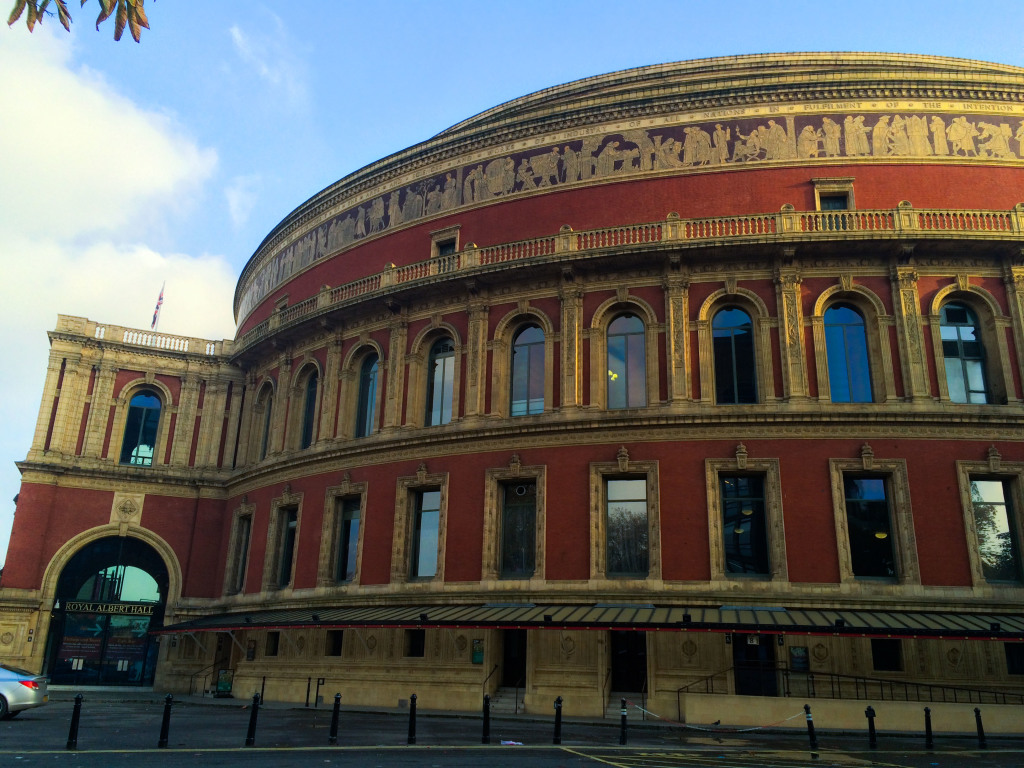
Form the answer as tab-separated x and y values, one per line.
109	596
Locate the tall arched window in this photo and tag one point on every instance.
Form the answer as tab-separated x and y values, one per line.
367	401
964	355
140	429
846	344
735	365
309	410
627	363
528	372
440	382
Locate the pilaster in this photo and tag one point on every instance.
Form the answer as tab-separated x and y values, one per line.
572	345
185	424
476	370
677	337
397	342
791	336
909	332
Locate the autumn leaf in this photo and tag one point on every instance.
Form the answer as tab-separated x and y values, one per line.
19	8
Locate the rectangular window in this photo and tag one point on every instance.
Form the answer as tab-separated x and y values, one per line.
334	640
869	525
886	655
518	529
426	523
348	539
273	643
833	202
993	523
415	643
627	529
744	524
289	527
1014	658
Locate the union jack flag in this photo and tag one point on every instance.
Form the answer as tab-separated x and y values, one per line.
159	303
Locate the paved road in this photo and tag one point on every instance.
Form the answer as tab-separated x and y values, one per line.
116	732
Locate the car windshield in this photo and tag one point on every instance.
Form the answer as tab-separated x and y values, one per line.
17	670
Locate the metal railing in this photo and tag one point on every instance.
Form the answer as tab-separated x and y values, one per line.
829	685
836	686
903	221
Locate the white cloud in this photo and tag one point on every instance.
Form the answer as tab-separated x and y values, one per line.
270	52
87	180
241	194
79	157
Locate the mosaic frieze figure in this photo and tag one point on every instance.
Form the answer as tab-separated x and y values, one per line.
640	150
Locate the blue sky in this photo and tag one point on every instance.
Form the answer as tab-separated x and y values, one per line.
125	165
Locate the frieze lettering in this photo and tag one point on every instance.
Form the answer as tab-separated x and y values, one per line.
745	140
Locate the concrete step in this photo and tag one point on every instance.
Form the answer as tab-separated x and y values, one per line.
503	701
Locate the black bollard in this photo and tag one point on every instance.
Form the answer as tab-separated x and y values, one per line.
486	738
982	743
412	720
810	727
558	721
76	715
622	722
250	735
165	725
335	715
929	742
869	713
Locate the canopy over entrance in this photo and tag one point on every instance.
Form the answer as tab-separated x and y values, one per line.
724	618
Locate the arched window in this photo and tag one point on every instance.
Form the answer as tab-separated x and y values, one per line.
367	401
846	345
963	354
735	365
140	429
528	372
627	363
440	382
309	410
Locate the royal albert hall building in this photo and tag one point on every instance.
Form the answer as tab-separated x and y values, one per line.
699	384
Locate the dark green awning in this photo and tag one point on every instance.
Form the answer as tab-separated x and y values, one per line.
725	618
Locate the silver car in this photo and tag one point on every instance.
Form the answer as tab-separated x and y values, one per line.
20	689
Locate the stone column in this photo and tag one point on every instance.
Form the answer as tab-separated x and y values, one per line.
1013	278
395	372
909	333
211	423
185	425
282	403
329	420
677	337
47	405
99	410
70	405
476	358
572	346
791	333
